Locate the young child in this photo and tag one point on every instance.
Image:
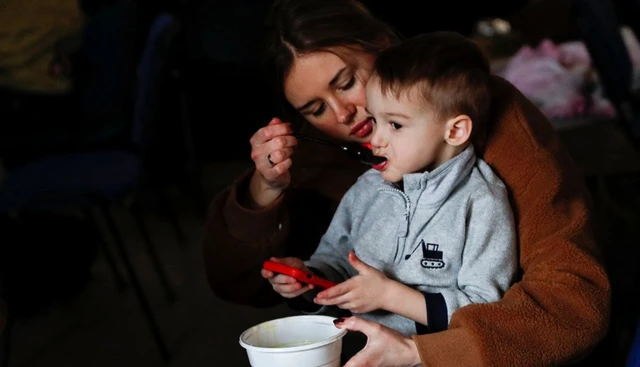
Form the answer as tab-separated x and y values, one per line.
431	226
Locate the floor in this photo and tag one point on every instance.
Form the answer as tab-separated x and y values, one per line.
103	327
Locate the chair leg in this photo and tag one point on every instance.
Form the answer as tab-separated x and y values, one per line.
144	303
171	217
117	277
155	260
194	178
197	192
8	339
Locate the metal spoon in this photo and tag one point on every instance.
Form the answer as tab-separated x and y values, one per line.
364	154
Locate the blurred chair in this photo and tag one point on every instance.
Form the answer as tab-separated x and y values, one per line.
634	353
101	179
163	95
599	29
154	69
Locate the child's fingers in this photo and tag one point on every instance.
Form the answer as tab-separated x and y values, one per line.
295	292
335	291
284	279
287	288
331	301
266	274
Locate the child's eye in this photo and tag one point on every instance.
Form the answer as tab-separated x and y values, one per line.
395	125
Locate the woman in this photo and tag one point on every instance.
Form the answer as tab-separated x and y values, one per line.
323	53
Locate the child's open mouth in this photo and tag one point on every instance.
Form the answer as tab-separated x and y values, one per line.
380	166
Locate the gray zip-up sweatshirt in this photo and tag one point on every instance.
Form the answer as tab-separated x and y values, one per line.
449	234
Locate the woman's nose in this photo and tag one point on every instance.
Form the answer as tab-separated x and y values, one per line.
345	112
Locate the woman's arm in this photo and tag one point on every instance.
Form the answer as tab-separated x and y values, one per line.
239	239
263	215
236	242
559	310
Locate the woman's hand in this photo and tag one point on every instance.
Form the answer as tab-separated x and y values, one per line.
271	150
385	347
361	293
287	286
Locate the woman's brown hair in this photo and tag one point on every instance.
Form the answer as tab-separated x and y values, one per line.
298	27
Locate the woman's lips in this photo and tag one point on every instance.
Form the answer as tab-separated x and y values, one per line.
362	129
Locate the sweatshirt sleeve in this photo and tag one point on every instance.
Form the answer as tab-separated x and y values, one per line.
331	256
489	258
559	309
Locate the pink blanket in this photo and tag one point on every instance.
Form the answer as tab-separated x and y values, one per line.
559	78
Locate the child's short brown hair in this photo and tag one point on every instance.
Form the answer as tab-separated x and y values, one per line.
450	71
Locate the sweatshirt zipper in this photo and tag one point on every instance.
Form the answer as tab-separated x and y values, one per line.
407	211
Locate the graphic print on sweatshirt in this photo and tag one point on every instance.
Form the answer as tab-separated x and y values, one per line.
431	255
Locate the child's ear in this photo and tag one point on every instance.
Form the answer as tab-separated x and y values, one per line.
458	130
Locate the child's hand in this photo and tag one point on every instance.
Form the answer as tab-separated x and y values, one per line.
287	286
360	294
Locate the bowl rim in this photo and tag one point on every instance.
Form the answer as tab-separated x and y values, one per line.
320	319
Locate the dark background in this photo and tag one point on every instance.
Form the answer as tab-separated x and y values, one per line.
213	97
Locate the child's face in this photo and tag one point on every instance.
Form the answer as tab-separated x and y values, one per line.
406	132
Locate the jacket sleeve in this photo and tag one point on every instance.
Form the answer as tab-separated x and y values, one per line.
237	241
559	309
489	260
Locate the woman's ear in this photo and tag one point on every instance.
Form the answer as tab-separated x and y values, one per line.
458	130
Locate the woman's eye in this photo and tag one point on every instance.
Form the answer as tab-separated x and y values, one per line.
395	125
349	84
319	111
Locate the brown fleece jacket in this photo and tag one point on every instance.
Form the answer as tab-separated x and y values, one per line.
554	315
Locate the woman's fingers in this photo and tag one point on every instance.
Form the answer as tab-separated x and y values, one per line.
273	157
385	347
279	156
274	129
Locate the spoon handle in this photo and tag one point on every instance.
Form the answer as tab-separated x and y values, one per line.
319	141
364	154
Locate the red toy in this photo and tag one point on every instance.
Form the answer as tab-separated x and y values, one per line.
298	274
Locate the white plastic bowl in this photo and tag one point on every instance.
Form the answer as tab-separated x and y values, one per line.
296	341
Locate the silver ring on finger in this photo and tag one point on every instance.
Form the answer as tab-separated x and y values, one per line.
269	160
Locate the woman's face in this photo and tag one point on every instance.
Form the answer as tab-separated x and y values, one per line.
330	93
